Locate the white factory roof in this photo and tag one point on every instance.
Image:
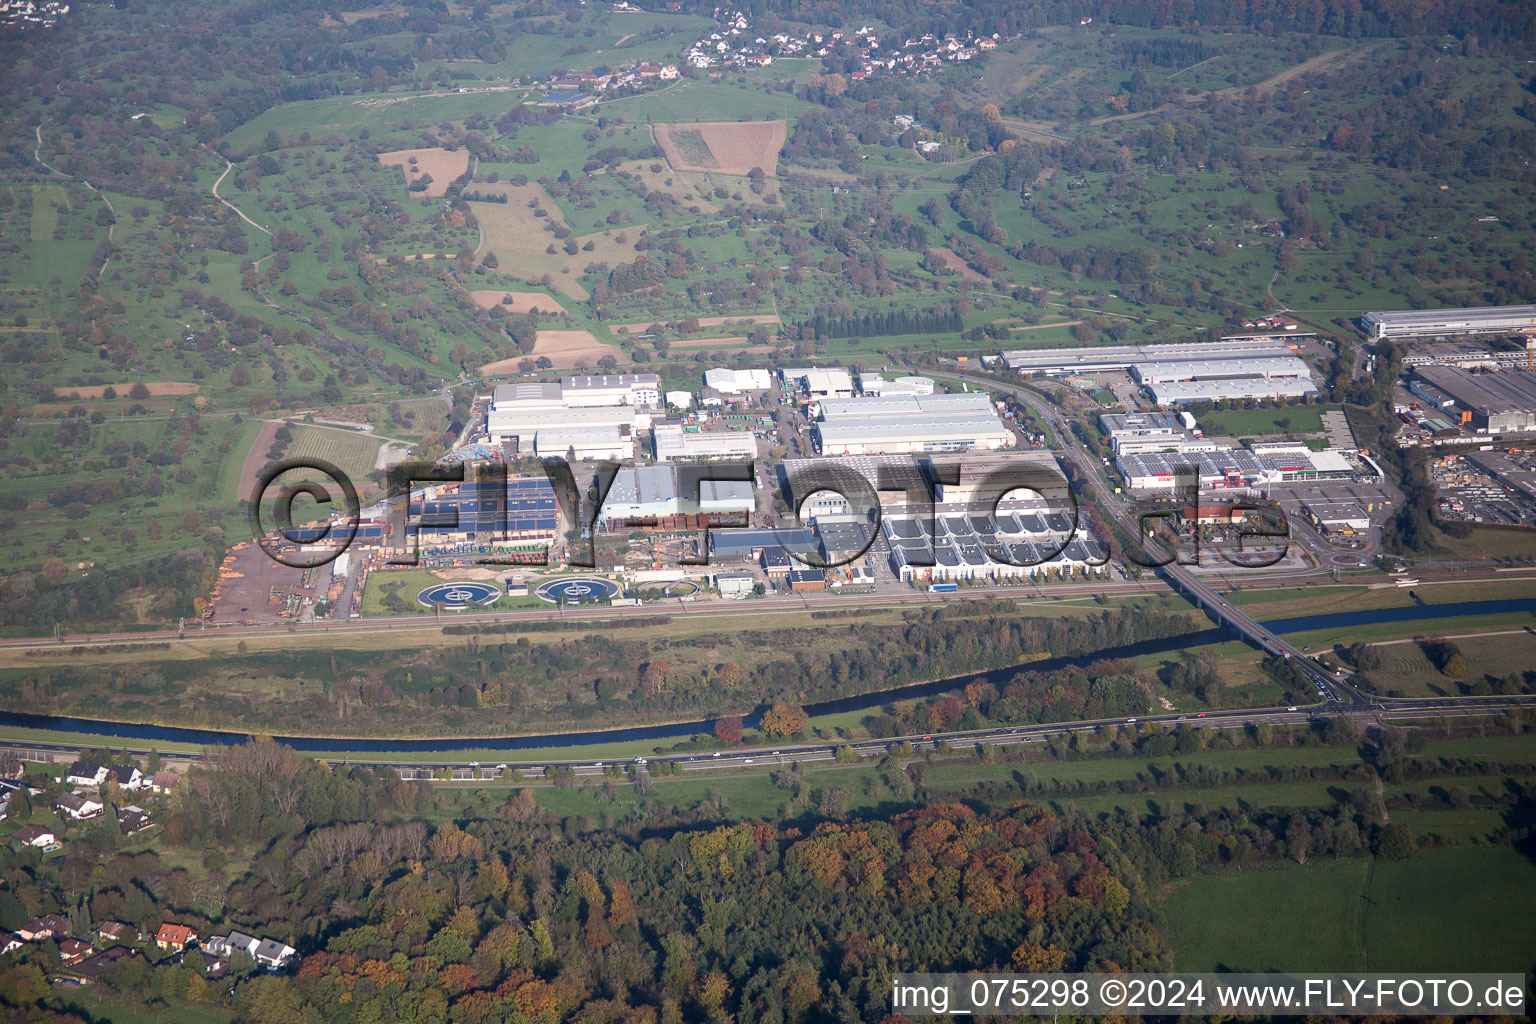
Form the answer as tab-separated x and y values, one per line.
656	487
518	417
828	381
556	440
680	399
609	381
1113	423
1119	357
532	393
1220	369
1452	319
672	442
1348	513
642	485
1329	461
958	427
875	384
733	382
1215	390
906	407
724	495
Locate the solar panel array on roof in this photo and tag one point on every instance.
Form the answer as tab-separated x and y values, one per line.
527	506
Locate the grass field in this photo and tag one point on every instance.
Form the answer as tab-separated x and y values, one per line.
46	203
1442	910
516	233
1490	543
1306	419
101	1004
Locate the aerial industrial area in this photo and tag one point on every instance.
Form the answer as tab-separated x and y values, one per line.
671	512
931	450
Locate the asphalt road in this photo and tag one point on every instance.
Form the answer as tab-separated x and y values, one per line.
766	759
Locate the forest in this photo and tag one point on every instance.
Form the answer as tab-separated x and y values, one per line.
412	902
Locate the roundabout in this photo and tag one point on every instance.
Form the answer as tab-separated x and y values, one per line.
458	596
576	590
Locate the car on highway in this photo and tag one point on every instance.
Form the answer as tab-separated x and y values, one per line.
1293	707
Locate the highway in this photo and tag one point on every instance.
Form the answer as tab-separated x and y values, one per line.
765	759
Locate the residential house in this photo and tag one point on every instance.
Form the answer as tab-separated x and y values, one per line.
84	773
72	951
164	781
34	835
133	820
126	776
49	926
10	941
269	953
116	931
79	807
93	967
174	936
213	968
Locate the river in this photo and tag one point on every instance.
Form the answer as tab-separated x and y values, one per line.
176	734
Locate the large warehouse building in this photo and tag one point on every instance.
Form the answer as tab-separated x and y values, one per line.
674	444
1102	358
590	417
526	513
1266	368
1448	323
875	384
611	389
910	424
1496	403
1182	381
641	493
1233	469
737	382
1257	388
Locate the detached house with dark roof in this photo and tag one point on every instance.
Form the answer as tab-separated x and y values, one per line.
84	773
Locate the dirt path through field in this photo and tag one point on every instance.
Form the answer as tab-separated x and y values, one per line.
1333	58
256	459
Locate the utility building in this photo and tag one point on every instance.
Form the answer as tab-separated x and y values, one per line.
1449	323
910	424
